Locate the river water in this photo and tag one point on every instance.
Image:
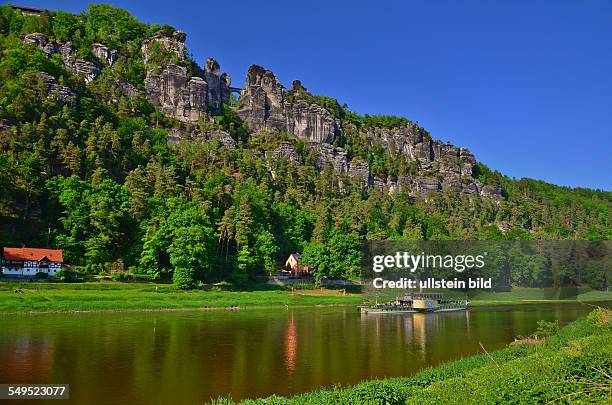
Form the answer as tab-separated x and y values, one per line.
190	357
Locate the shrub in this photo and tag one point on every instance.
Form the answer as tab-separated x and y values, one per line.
42	275
183	278
546	329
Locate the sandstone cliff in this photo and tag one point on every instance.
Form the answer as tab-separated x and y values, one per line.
183	90
178	93
264	105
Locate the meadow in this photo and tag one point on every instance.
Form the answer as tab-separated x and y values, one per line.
38	297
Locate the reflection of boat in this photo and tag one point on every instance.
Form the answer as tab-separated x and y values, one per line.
417	302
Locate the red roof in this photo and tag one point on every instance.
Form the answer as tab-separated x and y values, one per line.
33	254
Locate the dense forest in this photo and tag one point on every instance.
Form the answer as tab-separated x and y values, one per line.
93	173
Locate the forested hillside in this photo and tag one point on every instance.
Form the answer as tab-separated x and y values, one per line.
118	148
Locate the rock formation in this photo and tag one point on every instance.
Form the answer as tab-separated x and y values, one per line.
264	105
218	86
176	94
127	89
408	140
89	70
55	90
329	155
104	54
173	90
173	42
262	101
182	90
285	150
177	135
223	137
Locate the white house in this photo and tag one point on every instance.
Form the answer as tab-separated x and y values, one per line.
30	261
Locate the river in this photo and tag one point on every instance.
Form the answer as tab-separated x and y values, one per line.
190	357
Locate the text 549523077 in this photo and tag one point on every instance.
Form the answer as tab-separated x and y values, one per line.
34	391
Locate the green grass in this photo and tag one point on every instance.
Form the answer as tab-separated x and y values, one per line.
523	296
526	294
109	296
572	366
123	296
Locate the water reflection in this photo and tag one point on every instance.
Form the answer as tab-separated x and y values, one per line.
290	343
149	358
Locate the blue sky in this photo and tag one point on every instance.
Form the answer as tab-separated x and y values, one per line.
526	85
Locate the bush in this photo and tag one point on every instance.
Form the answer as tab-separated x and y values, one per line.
183	278
547	329
66	276
42	275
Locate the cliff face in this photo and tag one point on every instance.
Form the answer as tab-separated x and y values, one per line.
176	92
264	105
182	90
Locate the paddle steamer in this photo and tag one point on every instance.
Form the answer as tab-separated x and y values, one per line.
417	302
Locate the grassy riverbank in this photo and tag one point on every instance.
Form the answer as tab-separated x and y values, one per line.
122	296
117	296
573	366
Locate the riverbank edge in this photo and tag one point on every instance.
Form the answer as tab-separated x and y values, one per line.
570	364
184	309
480	305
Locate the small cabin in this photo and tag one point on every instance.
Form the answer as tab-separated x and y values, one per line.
31	261
293	265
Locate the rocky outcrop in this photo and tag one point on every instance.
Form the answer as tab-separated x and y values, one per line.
424	185
286	150
491	192
176	94
467	161
177	135
406	140
359	168
173	42
55	90
223	137
127	89
264	105
36	38
262	101
328	155
104	54
89	70
182	90
311	122
445	167
218	86
173	90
